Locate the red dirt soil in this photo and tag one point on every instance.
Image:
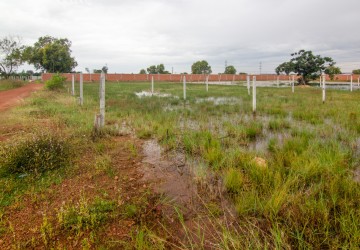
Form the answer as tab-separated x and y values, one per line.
10	98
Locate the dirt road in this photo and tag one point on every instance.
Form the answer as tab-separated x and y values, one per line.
10	98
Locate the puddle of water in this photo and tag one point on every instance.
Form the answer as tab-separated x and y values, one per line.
148	93
183	181
173	177
220	100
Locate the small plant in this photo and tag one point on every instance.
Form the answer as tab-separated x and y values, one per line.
46	230
85	215
56	82
36	154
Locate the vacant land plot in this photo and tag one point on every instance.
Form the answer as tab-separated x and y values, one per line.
164	173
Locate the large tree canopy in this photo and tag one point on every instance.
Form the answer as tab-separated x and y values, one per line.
201	67
306	65
10	55
51	55
230	70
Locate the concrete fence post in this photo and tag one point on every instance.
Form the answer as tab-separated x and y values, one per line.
102	100
72	84
184	87
81	98
152	85
254	94
248	83
323	88
292	83
351	83
207	83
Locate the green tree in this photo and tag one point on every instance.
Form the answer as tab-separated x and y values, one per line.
10	55
332	71
230	70
51	55
97	71
356	71
105	69
158	69
142	71
201	67
306	65
285	67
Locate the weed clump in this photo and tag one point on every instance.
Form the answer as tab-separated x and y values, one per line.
56	82
85	215
35	155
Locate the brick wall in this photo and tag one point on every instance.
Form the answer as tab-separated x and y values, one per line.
179	77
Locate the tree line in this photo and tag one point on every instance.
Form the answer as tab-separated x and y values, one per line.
52	55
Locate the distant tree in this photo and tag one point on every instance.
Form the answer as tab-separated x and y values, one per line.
184	73
332	71
87	70
51	55
230	70
306	65
356	71
30	72
10	55
158	69
105	69
97	71
201	67
242	73
142	71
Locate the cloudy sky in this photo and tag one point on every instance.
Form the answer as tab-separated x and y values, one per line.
131	35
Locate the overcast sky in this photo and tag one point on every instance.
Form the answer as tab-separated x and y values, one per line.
131	35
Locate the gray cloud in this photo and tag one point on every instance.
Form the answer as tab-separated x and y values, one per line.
130	35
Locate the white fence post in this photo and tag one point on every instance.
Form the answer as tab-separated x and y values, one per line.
152	85
184	87
351	83
278	81
102	100
72	84
292	83
323	88
207	83
248	83
81	99
254	94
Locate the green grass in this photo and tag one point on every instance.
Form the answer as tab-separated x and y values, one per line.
305	196
10	84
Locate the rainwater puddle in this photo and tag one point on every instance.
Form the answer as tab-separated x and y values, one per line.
173	177
186	182
148	93
220	100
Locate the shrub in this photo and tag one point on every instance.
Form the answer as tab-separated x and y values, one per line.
56	82
36	154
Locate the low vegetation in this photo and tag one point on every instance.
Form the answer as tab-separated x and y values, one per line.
289	172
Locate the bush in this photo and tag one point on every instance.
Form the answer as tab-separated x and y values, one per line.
56	82
37	154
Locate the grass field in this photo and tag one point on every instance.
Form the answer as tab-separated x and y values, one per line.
291	171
